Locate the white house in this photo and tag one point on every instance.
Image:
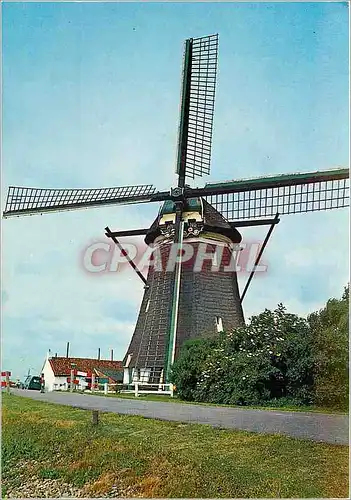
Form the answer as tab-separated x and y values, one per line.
57	371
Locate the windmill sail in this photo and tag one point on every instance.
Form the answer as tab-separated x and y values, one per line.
194	145
29	201
197	106
285	194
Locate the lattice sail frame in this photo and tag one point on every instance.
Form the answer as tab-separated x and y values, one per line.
295	193
198	98
27	201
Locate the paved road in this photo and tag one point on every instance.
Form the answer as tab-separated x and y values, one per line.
314	426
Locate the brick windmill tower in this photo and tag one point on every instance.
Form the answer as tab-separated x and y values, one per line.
208	297
198	295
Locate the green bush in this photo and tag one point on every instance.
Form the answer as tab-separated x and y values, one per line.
278	356
330	333
189	366
269	358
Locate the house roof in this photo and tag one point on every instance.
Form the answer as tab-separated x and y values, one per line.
62	365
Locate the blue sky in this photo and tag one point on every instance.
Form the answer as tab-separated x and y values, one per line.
91	99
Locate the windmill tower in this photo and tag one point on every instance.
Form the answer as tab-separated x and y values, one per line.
180	302
208	296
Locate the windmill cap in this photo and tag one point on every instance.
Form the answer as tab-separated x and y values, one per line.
213	221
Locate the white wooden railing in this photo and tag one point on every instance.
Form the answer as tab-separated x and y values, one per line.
138	388
135	388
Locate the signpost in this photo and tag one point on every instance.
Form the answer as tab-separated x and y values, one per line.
73	365
6	382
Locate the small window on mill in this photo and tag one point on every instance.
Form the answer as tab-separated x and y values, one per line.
219	324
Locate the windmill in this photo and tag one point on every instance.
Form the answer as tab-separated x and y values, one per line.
180	303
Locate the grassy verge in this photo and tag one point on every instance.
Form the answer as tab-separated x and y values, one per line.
168	399
52	450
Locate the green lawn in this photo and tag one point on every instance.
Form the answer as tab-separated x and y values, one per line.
168	399
52	450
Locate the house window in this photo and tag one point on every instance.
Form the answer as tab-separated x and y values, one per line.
219	324
215	260
144	375
136	375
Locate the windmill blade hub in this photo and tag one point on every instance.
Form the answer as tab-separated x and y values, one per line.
177	192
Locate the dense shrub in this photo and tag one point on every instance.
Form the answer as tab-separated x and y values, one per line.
266	359
277	356
189	366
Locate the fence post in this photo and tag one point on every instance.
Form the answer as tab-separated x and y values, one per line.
95	415
105	388
171	388
92	382
136	391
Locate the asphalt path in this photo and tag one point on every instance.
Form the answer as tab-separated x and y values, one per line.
322	427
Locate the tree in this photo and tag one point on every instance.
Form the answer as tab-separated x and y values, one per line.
330	330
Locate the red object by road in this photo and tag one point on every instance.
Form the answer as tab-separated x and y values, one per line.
75	381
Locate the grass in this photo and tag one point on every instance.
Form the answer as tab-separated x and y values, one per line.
167	399
131	456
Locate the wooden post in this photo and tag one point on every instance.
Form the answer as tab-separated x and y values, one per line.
71	382
95	417
92	382
160	385
105	388
136	389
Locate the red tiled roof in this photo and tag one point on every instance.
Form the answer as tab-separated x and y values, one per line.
62	366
